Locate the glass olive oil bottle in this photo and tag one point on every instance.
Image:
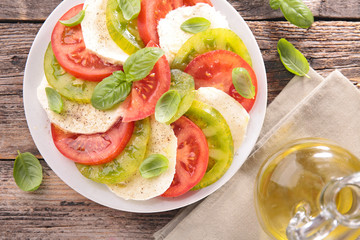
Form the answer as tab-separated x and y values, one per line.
290	188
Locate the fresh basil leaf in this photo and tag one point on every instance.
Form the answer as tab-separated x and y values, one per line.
242	83
130	8
184	106
54	99
184	84
111	91
296	12
153	166
292	59
274	4
75	20
167	106
27	172
140	64
195	25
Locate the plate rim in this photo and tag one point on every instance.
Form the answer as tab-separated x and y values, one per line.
149	206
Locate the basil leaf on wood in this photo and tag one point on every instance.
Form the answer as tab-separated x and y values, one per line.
295	11
140	64
242	83
130	8
274	4
167	106
292	59
153	166
195	25
75	20
111	91
54	99
27	172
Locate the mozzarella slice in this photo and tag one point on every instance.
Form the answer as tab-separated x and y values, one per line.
234	113
171	37
163	141
78	118
96	35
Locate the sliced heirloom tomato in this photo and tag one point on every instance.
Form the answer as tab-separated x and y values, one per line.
124	33
67	85
191	158
219	140
145	93
94	148
153	10
124	165
214	69
209	40
70	51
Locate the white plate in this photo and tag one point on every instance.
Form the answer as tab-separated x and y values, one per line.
40	127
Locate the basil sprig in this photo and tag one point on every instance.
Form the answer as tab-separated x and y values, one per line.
130	8
54	99
295	11
115	88
195	25
27	172
167	106
111	91
75	20
140	64
293	60
153	166
242	83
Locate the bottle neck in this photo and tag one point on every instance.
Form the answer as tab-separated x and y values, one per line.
304	227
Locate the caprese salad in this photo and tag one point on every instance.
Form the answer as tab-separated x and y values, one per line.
150	97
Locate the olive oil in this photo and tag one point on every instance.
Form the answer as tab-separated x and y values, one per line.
294	178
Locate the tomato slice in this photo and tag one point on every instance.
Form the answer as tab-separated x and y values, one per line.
70	51
192	157
150	14
126	164
95	148
214	69
194	2
66	84
153	10
219	140
145	93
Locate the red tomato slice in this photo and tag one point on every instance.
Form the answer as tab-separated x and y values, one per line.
194	2
214	69
150	14
191	158
145	93
70	51
94	148
153	10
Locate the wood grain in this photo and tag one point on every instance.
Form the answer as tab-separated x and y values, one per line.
55	211
22	10
327	45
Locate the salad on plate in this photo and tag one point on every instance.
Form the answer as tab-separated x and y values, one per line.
150	98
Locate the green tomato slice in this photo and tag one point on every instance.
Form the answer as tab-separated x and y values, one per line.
126	164
124	33
67	85
209	40
218	136
184	84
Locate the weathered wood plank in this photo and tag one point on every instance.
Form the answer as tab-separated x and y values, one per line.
327	45
55	211
38	10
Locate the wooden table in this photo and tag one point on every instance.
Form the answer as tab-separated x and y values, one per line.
55	211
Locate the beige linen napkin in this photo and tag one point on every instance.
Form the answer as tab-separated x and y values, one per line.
312	107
